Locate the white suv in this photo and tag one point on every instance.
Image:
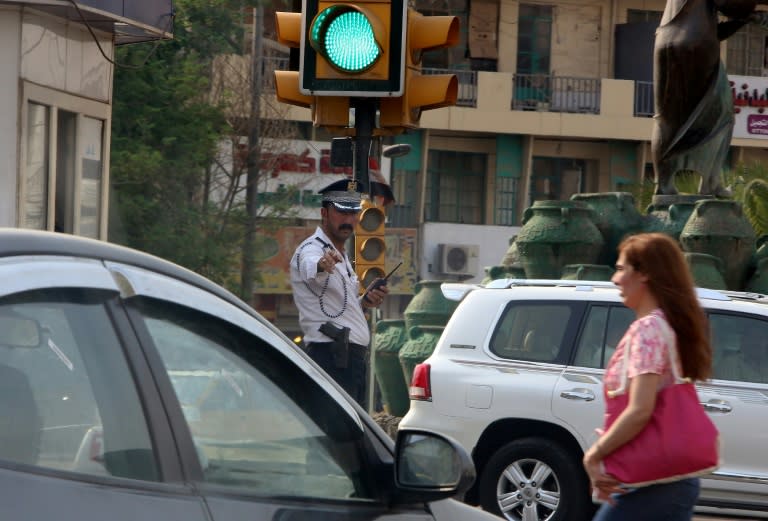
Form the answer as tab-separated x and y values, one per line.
516	377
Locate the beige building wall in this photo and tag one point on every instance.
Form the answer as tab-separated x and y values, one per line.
494	114
582	34
750	155
10	63
507	61
64	56
580	45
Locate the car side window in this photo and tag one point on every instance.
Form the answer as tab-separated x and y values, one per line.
531	332
739	348
259	423
603	329
67	398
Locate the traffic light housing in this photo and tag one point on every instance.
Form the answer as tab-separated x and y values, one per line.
352	49
288	29
422	92
370	247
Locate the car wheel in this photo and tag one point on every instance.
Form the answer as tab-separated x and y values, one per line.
534	480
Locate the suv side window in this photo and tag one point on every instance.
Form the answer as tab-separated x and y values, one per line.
67	399
740	348
603	329
259	423
531	331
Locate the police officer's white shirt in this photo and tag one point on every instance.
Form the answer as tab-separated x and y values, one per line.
321	296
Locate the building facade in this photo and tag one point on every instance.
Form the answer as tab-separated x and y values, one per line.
56	69
555	98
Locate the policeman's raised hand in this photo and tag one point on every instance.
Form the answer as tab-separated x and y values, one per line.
328	261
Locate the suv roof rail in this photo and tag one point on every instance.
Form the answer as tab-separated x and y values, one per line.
508	283
457	291
724	294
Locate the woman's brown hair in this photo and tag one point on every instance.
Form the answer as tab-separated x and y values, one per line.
659	258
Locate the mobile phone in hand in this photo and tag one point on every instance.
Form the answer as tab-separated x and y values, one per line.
381	281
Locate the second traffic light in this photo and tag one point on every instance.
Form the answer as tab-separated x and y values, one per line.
370	248
422	92
352	48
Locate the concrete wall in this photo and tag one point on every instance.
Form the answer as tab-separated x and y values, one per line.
10	58
494	114
63	55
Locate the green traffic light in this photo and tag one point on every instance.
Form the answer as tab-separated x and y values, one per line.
345	37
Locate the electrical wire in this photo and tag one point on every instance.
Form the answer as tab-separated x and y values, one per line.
171	16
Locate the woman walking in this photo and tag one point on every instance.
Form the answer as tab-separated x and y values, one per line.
670	327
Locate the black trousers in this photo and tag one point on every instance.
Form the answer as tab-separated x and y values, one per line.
351	378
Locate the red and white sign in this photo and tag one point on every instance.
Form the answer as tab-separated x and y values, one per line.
750	106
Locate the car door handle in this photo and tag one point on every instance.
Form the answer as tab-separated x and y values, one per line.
578	394
717	406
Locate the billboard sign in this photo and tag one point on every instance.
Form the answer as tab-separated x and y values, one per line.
750	106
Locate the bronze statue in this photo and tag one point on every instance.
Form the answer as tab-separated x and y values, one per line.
694	121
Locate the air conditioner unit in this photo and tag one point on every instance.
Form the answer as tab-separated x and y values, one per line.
457	259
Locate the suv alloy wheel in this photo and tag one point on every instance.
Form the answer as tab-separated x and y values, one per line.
534	479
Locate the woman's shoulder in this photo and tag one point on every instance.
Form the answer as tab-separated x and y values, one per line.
652	325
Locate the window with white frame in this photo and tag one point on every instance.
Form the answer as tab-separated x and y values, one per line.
35	203
63	185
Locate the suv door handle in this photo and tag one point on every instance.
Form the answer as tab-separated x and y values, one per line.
578	394
717	406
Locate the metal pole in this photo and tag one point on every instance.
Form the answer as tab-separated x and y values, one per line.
372	366
365	118
254	158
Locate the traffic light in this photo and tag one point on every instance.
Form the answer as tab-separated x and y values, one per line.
370	248
422	92
288	28
352	48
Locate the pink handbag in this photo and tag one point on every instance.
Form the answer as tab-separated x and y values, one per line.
679	440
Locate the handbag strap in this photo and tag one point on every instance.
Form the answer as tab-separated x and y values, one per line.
670	339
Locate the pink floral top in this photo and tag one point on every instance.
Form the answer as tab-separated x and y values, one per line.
648	352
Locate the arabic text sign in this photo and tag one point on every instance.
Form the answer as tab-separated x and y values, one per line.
749	97
757	124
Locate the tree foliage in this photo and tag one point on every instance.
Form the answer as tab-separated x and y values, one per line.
176	191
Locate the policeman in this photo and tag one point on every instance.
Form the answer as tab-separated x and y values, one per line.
325	290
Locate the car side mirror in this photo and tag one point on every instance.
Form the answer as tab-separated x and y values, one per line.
431	466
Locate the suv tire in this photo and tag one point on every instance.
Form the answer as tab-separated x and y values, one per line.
560	494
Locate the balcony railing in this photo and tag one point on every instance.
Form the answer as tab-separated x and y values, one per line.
541	92
556	93
644	99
